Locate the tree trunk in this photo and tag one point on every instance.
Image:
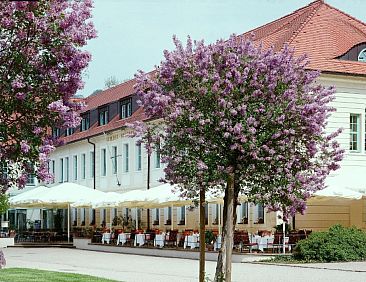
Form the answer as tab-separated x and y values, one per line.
202	235
223	267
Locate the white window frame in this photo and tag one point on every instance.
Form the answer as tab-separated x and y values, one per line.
156	216
83	166
181	215
61	170
114	160
92	168
75	159
157	158
67	169
138	157
125	157
240	212
355	145
257	210
103	162
168	214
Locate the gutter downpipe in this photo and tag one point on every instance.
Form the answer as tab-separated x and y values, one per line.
94	180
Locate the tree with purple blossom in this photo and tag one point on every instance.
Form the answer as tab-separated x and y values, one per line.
241	119
41	62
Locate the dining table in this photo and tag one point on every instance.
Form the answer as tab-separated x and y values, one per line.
191	241
106	238
139	239
159	240
122	238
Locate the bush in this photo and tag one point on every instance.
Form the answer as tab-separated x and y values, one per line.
337	244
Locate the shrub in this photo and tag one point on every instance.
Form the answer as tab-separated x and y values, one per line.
337	244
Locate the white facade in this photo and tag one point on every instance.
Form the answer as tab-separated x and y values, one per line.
118	160
350	104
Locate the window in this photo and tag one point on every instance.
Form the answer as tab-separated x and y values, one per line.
215	214
85	122
206	214
103	116
181	215
242	213
82	216
362	56
125	108
53	170
4	171
55	132
354	132
91	216
74	216
157	157
61	170
168	215
126	213
259	214
114	159
92	168
69	131
156	216
31	177
104	162
75	167
103	216
67	169
125	154
138	156
83	166
113	214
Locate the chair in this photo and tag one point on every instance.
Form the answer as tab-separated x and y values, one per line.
277	242
238	239
172	238
149	239
246	242
131	240
292	240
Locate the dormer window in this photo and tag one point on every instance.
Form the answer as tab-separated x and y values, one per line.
362	56
85	122
69	131
125	108
103	116
55	132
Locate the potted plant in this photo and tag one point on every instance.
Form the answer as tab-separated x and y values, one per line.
209	240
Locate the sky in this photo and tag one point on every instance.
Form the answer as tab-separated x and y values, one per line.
132	34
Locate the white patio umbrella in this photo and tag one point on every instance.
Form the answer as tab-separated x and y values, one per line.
134	198
337	192
59	196
22	199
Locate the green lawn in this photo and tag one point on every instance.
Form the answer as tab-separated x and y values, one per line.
35	275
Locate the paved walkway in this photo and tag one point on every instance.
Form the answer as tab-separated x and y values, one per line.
133	268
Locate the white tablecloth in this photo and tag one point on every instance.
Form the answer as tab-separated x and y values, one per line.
159	240
122	238
191	241
262	242
106	238
217	244
139	239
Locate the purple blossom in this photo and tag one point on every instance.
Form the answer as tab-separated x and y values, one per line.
272	138
24	147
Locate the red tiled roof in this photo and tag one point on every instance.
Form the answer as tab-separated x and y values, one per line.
320	31
110	95
115	123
